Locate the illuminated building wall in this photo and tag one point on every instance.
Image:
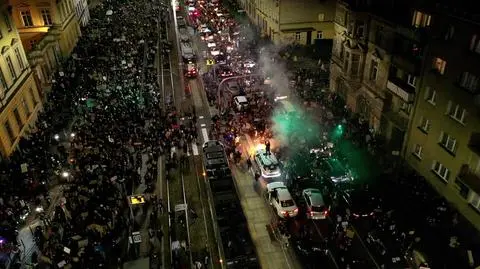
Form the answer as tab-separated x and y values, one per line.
20	100
444	139
49	31
292	21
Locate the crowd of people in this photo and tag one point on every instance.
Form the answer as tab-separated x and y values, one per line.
99	136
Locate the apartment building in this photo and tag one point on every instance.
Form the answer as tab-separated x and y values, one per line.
376	62
444	139
292	21
20	100
49	30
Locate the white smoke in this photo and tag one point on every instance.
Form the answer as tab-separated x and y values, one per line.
274	69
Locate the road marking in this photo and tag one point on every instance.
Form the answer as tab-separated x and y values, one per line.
200	117
195	149
203	125
205	134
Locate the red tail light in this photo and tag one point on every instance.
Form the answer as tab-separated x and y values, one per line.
325	213
295	210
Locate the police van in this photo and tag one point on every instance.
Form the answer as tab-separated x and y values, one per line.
266	166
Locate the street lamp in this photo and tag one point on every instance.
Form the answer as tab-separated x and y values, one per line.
65	174
56	137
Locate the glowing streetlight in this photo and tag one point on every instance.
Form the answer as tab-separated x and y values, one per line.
65	174
56	137
72	135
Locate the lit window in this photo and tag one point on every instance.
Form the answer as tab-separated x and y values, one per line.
417	151
11	68
430	95
319	34
47	18
424	124
469	82
439	65
448	142
373	70
475	44
27	18
297	36
456	112
440	170
19	58
411	80
421	19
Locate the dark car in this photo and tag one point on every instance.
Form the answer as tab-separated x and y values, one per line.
361	202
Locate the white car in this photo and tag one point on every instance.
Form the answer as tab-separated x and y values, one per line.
249	64
281	200
211	45
214	51
240	102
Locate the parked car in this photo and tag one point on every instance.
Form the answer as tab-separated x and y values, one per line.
316	208
281	200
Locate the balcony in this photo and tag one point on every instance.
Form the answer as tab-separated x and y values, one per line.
397	119
468	179
474	143
409	64
401	89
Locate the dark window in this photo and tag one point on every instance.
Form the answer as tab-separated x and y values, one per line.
379	36
8	23
18	118
26	107
3	82
19	58
10	132
11	67
34	97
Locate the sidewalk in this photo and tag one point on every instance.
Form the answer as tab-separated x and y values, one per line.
270	253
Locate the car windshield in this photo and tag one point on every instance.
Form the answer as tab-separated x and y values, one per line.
318	208
287	203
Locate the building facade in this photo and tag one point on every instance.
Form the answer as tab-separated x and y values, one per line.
292	21
82	11
444	139
376	63
20	99
49	31
410	69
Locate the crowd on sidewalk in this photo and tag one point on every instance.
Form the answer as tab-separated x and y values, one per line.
103	113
